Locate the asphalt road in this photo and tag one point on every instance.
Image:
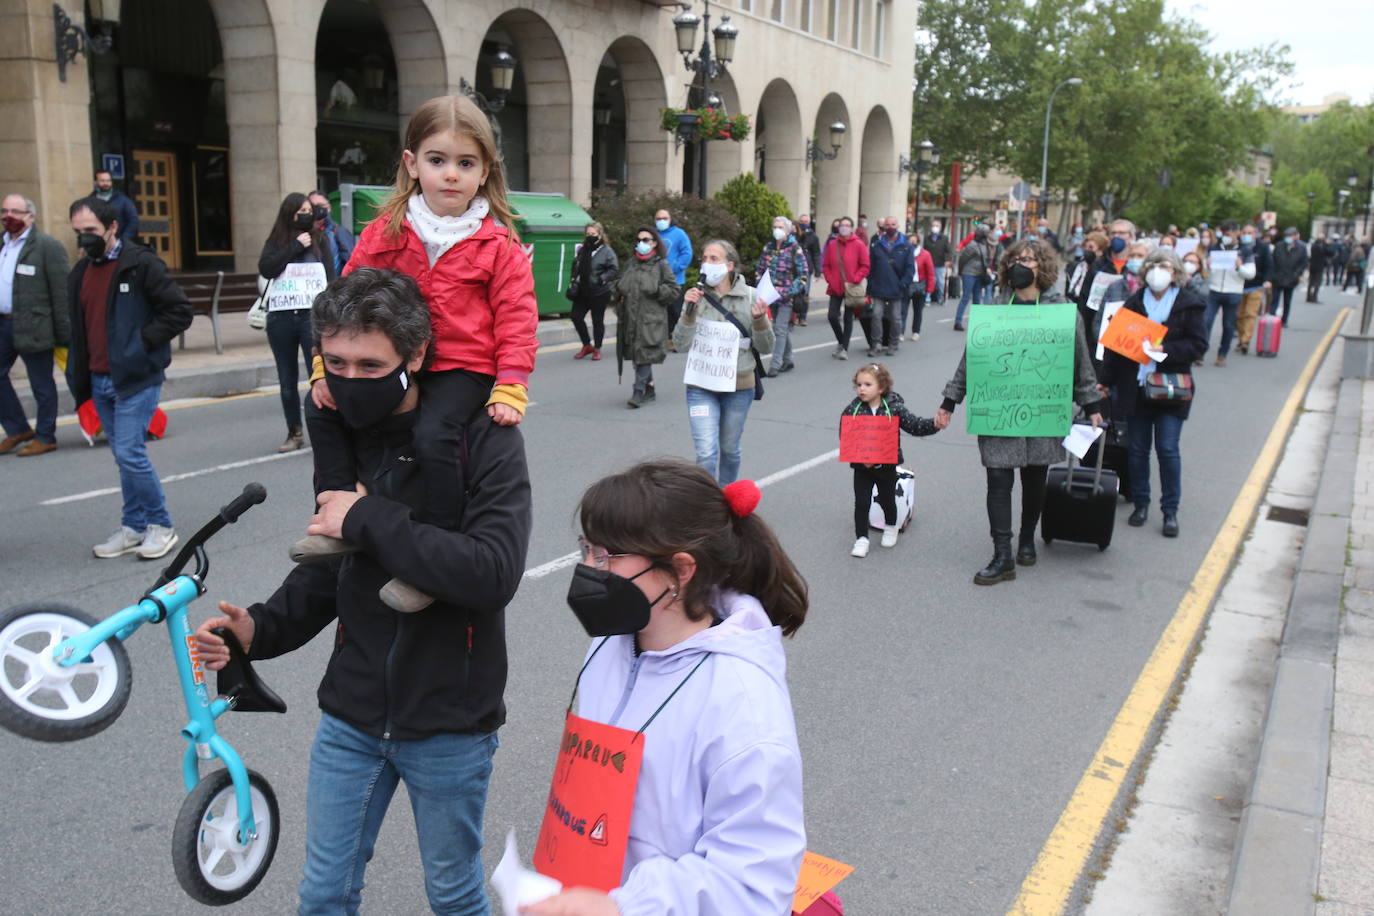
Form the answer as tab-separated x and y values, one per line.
943	725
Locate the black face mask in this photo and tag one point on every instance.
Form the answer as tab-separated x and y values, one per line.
320	213
607	604
592	241
304	220
1020	276
365	402
93	245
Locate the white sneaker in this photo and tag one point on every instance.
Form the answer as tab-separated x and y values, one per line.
157	541
889	537
840	353
915	335
860	548
125	540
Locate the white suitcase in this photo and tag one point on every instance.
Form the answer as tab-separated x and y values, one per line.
906	502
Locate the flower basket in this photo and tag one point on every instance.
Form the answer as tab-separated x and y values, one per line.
712	124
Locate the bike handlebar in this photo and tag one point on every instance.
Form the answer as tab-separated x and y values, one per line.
252	494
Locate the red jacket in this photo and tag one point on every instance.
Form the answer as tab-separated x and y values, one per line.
480	294
855	263
925	270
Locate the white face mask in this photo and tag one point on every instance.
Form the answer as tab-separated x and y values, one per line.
1158	279
846	230
714	273
935	229
1189	268
779	234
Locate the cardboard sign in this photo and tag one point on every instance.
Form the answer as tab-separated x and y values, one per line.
297	287
868	439
1019	365
1222	260
767	292
1102	281
586	827
1104	320
714	357
1184	246
818	875
1127	332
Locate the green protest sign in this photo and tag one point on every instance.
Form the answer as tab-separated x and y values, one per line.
1019	369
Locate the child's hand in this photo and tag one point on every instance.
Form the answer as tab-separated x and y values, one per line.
211	648
504	414
942	418
579	901
319	393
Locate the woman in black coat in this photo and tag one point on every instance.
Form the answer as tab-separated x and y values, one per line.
1165	298
294	240
594	270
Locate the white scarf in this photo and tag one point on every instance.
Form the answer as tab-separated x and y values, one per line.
440	233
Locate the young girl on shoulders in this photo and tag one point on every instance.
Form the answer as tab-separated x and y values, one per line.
449	225
874	397
687	595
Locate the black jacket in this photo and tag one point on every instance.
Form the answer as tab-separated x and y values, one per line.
811	247
274	257
1319	255
1102	264
145	310
456	528
595	270
938	246
1286	264
906	420
1184	343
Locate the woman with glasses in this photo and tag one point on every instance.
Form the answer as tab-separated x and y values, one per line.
1029	269
642	295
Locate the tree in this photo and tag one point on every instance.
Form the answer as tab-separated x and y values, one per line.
755	206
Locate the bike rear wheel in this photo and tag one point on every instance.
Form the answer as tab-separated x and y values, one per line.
45	701
211	865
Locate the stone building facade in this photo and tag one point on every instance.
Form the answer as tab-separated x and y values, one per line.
215	109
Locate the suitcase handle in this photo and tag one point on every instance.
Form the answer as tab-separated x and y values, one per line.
1101	453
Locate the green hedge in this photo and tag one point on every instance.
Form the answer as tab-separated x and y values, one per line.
701	219
755	206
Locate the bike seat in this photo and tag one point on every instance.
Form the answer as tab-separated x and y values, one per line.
239	683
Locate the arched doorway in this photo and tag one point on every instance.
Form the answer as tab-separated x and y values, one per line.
878	169
780	148
357	97
536	122
628	148
831	179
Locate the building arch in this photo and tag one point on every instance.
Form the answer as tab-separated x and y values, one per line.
878	168
631	82
832	179
780	145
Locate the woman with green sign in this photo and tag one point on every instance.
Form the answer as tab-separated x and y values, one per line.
1021	368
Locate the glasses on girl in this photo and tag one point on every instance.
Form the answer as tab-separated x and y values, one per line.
594	555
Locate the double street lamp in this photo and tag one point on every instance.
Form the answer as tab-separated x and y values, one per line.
1045	150
927	156
705	64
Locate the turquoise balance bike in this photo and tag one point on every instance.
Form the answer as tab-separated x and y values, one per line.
65	676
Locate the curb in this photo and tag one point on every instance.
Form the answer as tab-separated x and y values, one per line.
1278	846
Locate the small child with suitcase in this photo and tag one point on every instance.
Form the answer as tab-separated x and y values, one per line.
874	397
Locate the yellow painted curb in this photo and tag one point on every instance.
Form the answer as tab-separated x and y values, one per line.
1061	861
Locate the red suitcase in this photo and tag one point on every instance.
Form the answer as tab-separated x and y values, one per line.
1268	335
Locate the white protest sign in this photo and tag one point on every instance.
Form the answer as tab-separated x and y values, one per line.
517	886
1102	281
1222	260
1183	246
714	356
297	287
766	290
1108	310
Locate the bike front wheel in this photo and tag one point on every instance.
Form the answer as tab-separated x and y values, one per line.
45	701
212	865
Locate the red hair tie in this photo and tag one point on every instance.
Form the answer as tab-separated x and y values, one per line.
743	497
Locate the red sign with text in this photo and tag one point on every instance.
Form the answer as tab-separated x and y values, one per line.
870	439
586	828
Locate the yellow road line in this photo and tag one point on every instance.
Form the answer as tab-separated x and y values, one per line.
1062	859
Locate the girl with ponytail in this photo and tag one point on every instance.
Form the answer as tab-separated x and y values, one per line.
687	595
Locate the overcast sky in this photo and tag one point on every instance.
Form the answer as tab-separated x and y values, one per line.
1328	41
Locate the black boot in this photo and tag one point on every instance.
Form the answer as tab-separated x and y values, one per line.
1025	550
1001	567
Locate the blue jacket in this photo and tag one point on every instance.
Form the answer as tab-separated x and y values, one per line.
145	310
342	240
892	266
679	251
125	212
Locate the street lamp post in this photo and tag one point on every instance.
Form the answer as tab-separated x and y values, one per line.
1311	195
706	64
1268	183
927	155
502	79
1045	150
814	153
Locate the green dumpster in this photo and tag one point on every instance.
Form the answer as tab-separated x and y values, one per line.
355	204
551	227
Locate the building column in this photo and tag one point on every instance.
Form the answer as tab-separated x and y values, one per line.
45	148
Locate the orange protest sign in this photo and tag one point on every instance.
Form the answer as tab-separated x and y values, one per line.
818	875
1127	331
586	827
868	439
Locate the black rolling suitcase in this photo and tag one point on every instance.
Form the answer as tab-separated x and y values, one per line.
1080	503
1117	457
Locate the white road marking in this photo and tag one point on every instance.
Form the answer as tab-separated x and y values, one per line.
571	559
173	478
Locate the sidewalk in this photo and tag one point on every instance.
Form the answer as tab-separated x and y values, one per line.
1259	796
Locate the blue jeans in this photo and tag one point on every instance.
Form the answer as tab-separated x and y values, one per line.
125	421
288	331
717	421
1164	428
937	295
973	290
352	778
39	368
1229	304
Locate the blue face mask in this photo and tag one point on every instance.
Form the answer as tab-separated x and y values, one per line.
1078	251
1118	245
662	224
1134	265
1247	239
644	248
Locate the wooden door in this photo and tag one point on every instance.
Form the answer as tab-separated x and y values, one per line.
154	189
